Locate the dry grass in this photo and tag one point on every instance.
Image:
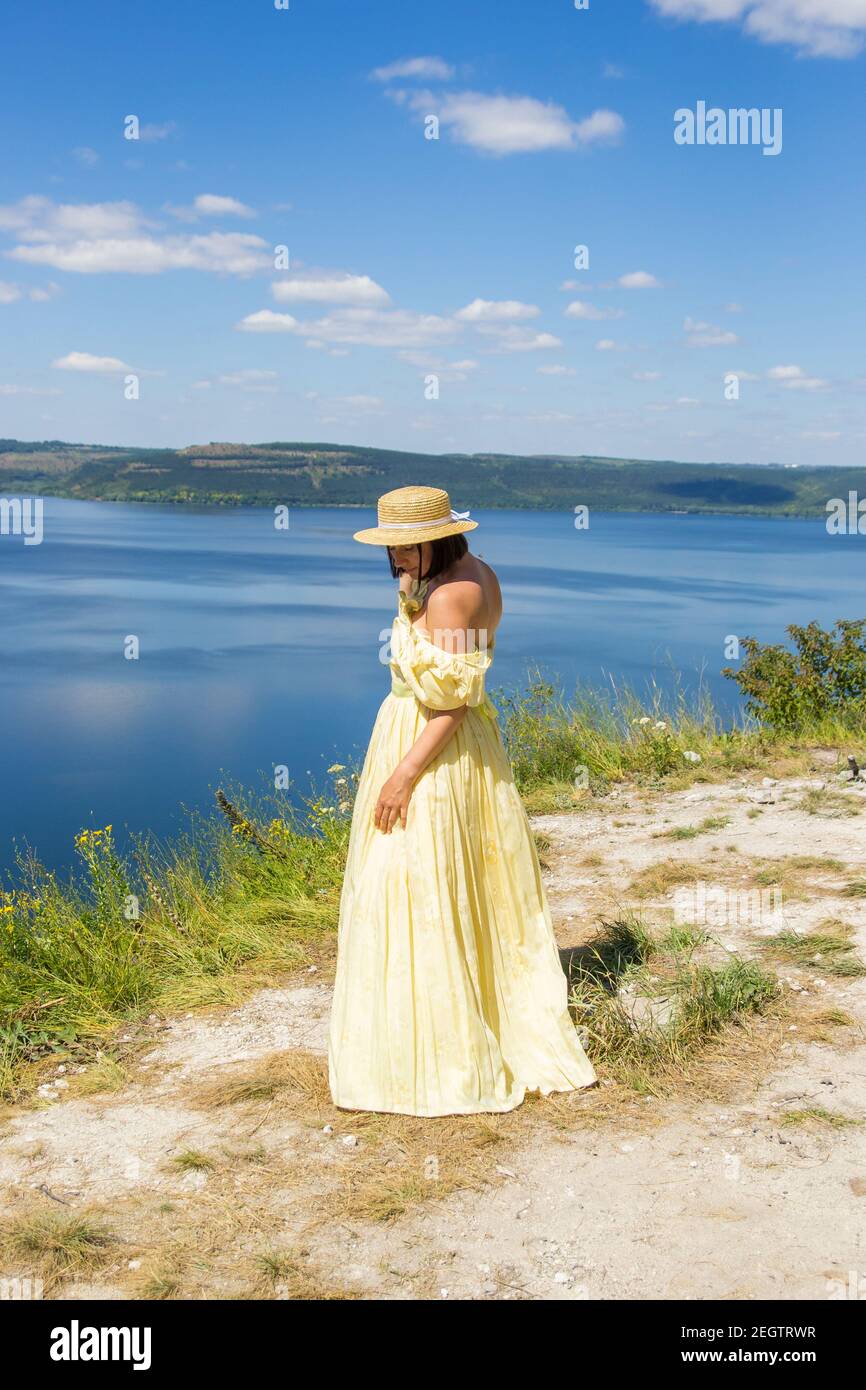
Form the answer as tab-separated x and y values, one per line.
818	1115
58	1245
829	949
825	801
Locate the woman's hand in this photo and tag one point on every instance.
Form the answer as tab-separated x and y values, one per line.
393	802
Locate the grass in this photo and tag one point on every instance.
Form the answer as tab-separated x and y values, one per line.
823	801
193	1161
691	832
686	1000
58	1246
817	1114
829	949
247	895
252	892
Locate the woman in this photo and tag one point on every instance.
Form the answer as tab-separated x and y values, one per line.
449	997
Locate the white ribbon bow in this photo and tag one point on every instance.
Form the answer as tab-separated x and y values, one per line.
412	525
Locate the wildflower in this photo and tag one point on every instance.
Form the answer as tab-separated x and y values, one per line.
337	767
646	720
661	724
691	757
345	806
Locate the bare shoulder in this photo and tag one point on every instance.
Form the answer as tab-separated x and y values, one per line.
468	601
455	603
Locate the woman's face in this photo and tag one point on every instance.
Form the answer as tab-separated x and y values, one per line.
411	558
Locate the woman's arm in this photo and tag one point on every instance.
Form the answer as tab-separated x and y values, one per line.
394	797
449	611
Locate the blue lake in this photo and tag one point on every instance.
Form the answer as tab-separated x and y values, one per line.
261	647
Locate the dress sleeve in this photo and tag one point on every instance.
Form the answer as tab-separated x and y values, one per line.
436	678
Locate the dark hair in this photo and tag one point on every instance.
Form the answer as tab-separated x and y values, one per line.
446	552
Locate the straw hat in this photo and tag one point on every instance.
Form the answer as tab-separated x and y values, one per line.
410	515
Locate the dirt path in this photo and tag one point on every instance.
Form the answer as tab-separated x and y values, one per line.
276	1194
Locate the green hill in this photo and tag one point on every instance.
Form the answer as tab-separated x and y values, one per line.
303	474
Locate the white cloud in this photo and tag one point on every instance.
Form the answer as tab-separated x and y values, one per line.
433	69
387	328
555	369
613	71
210	205
229	253
708	334
40	294
86	156
793	378
607	345
514	339
496	311
329	287
639	280
816	28
86	362
106	238
646	376
579	309
266	321
430	362
733	308
248	379
501	125
38	219
215	205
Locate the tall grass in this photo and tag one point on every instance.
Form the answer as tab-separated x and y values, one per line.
242	895
562	745
254	889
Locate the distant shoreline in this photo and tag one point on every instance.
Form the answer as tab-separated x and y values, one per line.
299	474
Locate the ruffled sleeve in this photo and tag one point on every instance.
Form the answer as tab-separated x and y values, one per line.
437	678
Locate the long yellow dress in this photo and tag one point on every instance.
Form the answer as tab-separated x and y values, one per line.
449	997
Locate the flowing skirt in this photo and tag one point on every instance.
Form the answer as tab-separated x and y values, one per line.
450	998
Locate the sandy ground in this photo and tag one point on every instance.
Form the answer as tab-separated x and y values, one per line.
678	1198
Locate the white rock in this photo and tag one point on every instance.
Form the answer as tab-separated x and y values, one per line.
350	1141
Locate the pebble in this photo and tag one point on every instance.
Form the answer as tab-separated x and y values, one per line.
350	1141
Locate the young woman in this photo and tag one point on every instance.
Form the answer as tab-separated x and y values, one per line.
449	997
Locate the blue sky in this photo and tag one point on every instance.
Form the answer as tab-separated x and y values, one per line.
412	258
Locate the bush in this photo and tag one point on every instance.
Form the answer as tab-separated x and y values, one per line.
824	675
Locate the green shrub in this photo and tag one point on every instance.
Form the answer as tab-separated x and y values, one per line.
824	675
